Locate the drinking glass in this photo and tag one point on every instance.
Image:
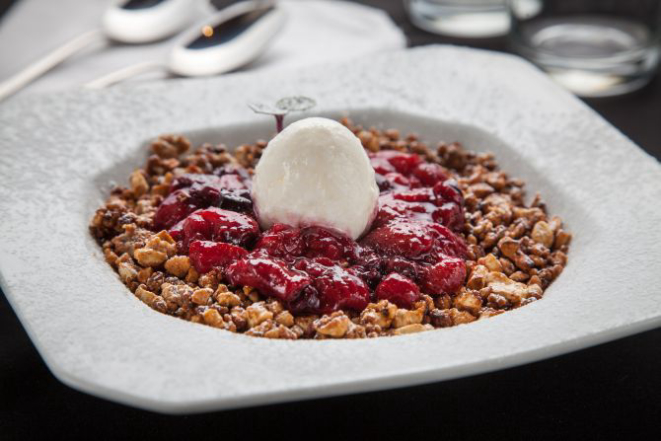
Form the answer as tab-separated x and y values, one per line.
593	47
460	18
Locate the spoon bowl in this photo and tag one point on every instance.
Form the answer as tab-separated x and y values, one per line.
146	21
228	41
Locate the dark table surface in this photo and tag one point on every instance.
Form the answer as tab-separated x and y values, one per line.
612	389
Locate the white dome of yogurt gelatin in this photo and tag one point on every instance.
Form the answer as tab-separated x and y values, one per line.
316	172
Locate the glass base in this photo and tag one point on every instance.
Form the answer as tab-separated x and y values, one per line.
460	19
594	85
591	56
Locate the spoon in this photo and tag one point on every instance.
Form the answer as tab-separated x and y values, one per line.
127	21
228	40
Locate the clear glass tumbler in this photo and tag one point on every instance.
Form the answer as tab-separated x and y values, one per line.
460	18
592	47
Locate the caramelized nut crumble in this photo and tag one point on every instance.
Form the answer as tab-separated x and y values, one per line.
513	251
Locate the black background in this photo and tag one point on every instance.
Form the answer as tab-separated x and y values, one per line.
609	390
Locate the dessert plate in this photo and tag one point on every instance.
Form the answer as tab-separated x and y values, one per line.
60	152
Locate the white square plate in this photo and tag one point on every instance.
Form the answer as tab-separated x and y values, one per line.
59	152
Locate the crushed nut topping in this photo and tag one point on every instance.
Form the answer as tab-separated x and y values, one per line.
515	251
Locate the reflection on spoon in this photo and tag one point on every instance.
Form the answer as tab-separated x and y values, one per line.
227	30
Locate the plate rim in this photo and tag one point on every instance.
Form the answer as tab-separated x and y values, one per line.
359	385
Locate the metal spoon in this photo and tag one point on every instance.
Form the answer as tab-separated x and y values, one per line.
228	40
127	21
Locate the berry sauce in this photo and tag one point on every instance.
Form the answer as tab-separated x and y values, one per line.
413	246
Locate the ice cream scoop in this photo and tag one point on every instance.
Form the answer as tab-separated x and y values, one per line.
316	172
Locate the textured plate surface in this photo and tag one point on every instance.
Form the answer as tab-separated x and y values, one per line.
59	152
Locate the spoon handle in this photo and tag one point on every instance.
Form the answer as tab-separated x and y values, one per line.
124	74
38	68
